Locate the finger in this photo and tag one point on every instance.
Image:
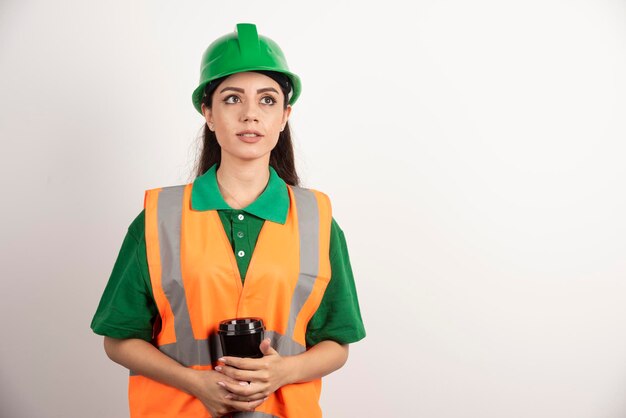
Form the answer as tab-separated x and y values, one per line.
254	397
225	377
246	390
242	363
245	406
238	374
266	347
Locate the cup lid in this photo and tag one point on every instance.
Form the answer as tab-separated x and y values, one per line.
239	325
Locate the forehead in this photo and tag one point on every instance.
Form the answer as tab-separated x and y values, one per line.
249	79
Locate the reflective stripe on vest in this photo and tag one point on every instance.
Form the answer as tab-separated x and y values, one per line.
189	351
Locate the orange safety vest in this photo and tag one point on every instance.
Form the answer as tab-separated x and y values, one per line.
196	284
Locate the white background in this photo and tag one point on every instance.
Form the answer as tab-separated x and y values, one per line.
474	152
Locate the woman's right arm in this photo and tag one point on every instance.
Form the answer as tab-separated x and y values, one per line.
145	359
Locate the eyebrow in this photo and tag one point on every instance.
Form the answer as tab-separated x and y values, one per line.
237	89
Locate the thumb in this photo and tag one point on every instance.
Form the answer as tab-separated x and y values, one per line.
266	347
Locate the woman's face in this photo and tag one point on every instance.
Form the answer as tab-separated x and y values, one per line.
247	115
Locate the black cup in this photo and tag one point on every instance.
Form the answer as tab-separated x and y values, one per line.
241	337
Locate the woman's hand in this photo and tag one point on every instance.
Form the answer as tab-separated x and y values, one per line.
147	360
215	398
247	379
259	378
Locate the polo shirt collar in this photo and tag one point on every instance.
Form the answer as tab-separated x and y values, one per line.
271	205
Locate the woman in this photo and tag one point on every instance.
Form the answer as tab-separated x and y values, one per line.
241	241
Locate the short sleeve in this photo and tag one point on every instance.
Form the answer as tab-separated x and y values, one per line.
127	308
338	317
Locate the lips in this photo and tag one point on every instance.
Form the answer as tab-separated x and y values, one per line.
249	134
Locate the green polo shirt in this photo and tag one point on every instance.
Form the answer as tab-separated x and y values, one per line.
127	308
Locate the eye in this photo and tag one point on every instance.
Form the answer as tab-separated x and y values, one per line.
232	99
268	100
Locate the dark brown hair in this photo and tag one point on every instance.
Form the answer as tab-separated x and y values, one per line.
281	157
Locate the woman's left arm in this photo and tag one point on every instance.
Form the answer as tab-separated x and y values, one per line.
272	371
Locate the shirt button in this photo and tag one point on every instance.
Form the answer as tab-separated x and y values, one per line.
240	217
241	253
240	234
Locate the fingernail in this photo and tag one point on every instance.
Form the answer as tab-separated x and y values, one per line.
222	384
228	396
221	359
218	368
243	383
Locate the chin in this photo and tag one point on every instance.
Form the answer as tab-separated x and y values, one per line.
251	156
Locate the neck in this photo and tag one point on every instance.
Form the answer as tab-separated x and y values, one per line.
241	182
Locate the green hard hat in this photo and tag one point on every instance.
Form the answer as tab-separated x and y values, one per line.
243	50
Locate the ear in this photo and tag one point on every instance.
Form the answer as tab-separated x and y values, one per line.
208	116
286	114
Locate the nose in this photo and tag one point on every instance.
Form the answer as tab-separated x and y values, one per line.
250	112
